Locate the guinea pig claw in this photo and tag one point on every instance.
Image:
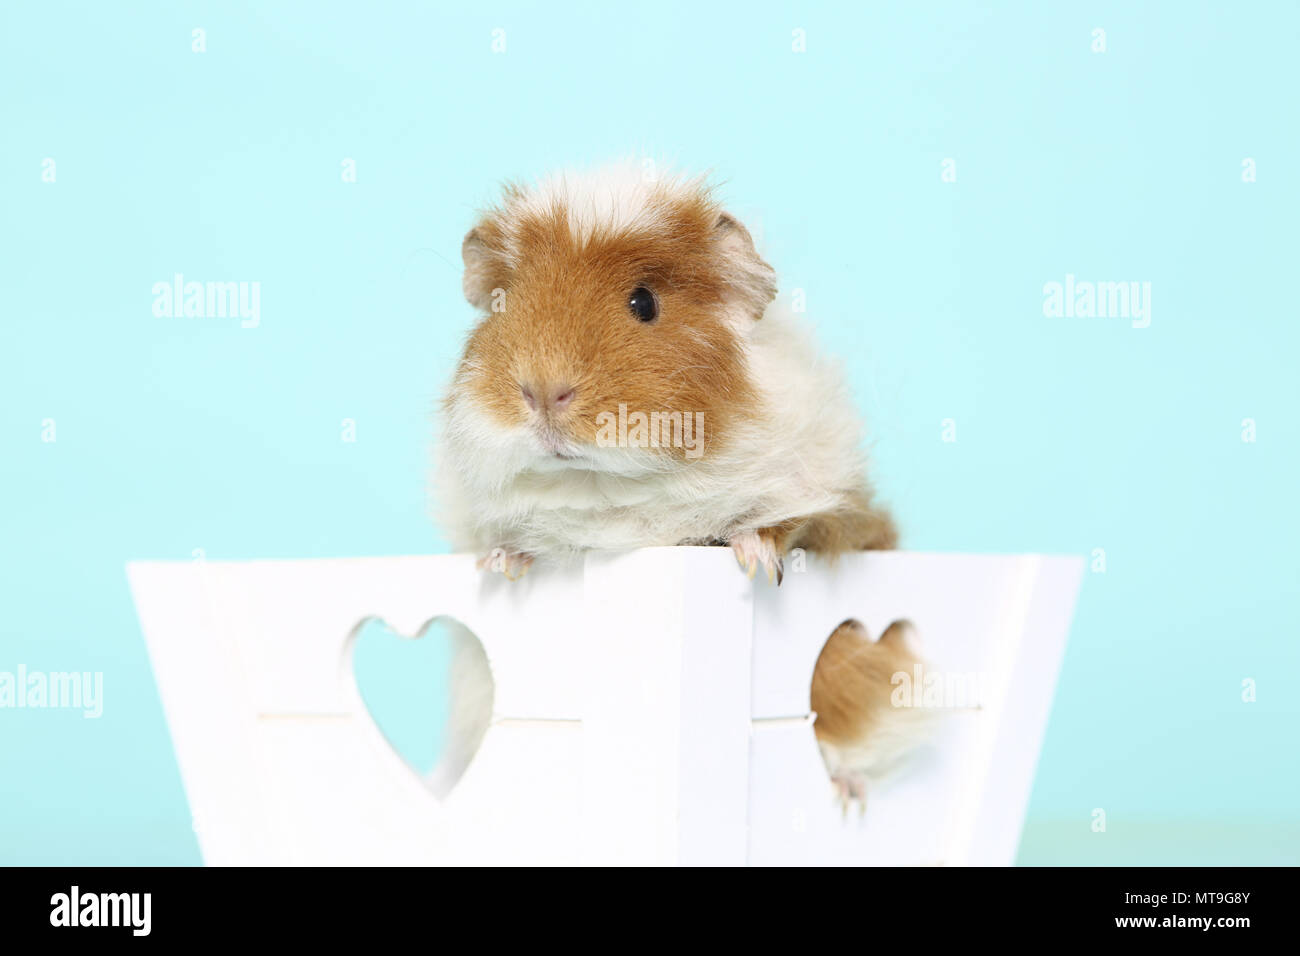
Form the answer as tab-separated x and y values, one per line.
755	548
847	790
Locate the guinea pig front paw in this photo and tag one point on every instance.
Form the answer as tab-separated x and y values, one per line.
753	548
513	564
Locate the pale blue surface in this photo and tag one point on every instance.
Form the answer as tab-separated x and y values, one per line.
176	434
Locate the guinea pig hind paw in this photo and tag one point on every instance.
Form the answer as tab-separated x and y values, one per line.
850	789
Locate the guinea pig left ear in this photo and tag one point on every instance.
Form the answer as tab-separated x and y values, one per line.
752	279
482	270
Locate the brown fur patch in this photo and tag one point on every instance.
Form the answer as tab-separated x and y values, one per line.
857	525
566	318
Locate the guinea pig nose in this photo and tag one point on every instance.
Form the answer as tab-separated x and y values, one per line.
547	397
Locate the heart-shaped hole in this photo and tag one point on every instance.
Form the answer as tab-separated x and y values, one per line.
863	728
430	695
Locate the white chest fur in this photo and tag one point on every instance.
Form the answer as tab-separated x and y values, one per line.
795	453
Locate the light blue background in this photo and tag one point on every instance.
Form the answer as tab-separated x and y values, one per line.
176	434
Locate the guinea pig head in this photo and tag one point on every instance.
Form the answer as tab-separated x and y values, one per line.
607	310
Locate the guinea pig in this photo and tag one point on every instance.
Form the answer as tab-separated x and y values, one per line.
632	382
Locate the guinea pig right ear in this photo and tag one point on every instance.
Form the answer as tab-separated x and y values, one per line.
752	280
483	270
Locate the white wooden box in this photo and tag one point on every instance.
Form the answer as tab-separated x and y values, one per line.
651	707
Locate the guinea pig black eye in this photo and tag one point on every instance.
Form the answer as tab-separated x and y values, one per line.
643	304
